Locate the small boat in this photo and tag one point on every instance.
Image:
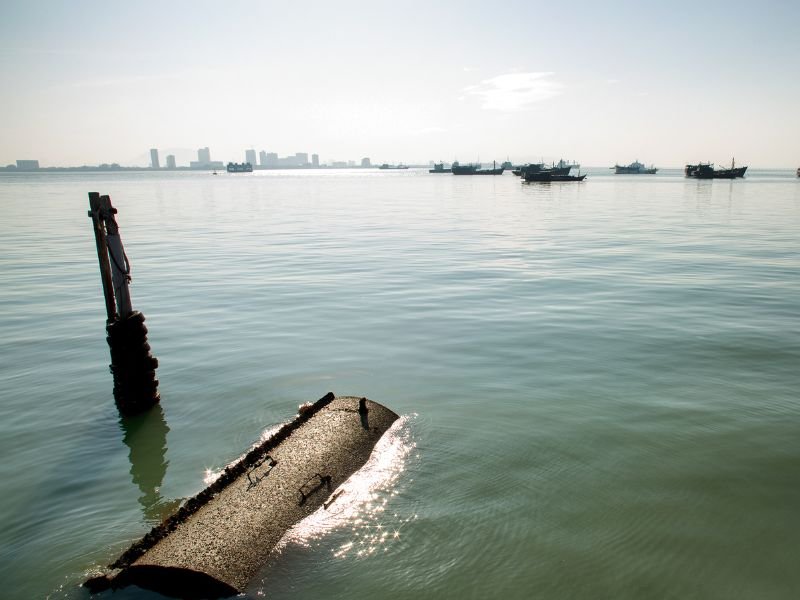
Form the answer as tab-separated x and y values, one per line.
388	166
549	176
475	169
635	168
798	171
439	168
707	171
245	167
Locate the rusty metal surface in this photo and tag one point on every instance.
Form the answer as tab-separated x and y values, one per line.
227	537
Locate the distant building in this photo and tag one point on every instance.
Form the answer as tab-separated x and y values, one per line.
27	165
338	164
154	164
204	161
301	159
171	161
365	162
250	156
315	160
262	158
272	159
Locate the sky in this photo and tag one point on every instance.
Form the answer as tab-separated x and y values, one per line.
597	82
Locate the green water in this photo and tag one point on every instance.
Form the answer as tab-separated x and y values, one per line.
599	381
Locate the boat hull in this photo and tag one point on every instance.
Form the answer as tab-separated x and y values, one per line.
633	171
548	177
220	539
475	169
707	171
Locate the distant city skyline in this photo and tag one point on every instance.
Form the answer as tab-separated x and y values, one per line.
664	83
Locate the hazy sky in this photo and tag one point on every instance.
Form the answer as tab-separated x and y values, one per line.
597	82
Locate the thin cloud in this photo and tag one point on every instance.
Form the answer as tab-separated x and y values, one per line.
515	91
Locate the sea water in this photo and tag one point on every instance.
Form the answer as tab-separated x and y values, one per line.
598	381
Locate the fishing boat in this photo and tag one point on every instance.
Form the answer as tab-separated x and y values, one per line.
549	176
439	168
540	168
245	167
635	168
475	169
707	171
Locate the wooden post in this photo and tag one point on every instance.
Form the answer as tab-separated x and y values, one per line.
120	267
133	367
96	213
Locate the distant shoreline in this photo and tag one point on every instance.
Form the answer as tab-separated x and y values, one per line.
120	169
189	169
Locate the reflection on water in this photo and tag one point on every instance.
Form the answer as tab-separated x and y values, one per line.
360	502
146	437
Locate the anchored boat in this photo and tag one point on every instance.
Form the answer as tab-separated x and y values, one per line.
439	168
635	168
245	167
707	171
475	169
542	168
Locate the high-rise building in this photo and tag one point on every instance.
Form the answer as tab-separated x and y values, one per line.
315	160
154	164
204	160
301	159
272	159
171	161
250	156
27	165
262	158
365	162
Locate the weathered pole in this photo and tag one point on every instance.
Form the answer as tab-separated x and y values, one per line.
102	252
132	365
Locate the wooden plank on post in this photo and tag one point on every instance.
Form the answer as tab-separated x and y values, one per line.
96	206
120	269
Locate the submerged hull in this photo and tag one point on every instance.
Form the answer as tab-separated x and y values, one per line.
220	539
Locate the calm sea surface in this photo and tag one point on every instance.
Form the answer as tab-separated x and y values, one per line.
599	382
